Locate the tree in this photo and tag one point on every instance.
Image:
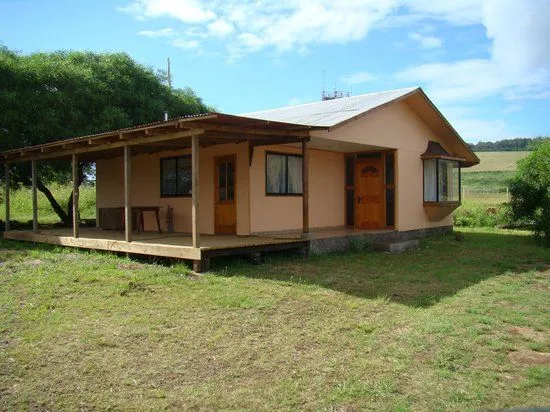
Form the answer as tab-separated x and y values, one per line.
530	189
46	97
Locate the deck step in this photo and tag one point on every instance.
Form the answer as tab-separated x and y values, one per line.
396	247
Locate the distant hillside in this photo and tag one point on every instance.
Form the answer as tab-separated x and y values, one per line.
506	145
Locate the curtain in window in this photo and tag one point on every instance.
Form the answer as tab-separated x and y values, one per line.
430	193
294	174
276	173
169	182
184	176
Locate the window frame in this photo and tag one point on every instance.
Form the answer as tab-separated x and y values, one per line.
162	159
286	155
437	191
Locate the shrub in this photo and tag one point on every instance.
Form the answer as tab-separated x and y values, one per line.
530	190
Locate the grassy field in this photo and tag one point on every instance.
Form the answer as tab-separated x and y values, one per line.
496	162
21	204
452	326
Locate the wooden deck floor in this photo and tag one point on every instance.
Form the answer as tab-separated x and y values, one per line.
174	245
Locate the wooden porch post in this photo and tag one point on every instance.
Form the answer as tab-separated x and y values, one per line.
195	190
34	196
7	195
305	188
127	193
75	195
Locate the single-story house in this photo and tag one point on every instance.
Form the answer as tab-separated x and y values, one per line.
385	164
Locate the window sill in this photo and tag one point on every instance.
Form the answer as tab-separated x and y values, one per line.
442	204
436	211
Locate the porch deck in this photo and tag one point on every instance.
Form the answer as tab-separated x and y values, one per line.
172	245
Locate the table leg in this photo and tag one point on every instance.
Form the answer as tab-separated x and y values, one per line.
158	220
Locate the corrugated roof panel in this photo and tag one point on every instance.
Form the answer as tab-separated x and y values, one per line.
330	112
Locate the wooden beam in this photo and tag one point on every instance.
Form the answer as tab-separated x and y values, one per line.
305	188
34	178
248	130
195	190
75	196
111	145
127	193
7	195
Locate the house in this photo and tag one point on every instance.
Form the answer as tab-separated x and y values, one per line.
309	176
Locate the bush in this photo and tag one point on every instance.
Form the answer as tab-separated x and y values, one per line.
482	215
530	190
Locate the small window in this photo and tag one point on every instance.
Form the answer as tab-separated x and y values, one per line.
175	176
441	180
283	174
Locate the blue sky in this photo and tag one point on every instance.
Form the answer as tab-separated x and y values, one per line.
485	63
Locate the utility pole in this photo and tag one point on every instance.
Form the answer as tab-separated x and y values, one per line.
169	75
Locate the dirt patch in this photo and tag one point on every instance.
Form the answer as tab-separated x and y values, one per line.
530	358
130	266
135	287
34	262
528	333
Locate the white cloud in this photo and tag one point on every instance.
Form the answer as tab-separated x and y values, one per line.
168	32
359	77
187	11
518	66
220	28
426	42
186	44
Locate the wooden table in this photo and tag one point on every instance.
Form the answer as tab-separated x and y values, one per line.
137	211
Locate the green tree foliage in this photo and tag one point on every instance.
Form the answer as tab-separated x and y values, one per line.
46	97
506	145
530	189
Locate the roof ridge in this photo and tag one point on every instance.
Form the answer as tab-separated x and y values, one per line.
339	100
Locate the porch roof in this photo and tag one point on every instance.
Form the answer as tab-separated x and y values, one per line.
213	128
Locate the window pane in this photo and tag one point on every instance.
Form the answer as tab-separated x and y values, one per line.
275	173
389	169
294	174
449	189
390	206
168	182
350	165
184	176
429	180
350	207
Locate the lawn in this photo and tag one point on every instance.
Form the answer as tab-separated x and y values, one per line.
455	325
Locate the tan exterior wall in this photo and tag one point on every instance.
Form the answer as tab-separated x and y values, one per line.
145	189
397	127
326	193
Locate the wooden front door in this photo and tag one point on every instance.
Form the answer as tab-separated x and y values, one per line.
369	200
225	195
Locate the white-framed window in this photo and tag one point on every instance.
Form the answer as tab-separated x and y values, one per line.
441	180
283	174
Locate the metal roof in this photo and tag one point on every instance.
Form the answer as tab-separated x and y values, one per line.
329	113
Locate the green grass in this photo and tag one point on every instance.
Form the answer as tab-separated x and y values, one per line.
21	204
496	162
452	326
482	180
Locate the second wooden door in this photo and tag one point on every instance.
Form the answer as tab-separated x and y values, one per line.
225	195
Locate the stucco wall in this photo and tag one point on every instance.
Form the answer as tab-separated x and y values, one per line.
326	193
395	126
145	188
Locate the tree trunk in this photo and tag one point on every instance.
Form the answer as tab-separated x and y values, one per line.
55	205
70	200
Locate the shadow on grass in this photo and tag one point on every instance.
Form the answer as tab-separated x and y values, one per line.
441	267
420	278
